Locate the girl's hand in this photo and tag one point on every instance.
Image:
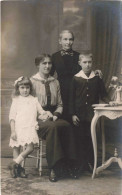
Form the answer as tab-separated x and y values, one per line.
55	118
14	136
49	114
43	117
75	120
37	127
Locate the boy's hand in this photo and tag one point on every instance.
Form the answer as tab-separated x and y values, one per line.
98	73
14	136
75	120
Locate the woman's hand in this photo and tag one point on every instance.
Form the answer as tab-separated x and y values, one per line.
55	118
49	114
45	116
98	73
14	136
75	120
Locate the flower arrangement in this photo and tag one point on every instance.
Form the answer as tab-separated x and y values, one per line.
116	87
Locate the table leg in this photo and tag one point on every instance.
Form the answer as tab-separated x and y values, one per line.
94	141
103	141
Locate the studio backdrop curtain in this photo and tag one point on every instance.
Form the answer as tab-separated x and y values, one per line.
106	46
105	37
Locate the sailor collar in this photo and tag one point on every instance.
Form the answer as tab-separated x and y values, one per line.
82	74
38	77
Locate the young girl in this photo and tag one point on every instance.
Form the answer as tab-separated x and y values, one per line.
23	122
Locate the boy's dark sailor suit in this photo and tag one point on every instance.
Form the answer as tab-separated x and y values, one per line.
85	91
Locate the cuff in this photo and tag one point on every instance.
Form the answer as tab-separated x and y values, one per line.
57	114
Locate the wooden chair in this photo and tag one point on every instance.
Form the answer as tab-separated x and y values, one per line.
39	155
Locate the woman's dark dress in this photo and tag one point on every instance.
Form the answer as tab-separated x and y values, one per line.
58	134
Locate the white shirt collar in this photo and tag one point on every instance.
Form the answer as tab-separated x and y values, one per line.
38	77
82	74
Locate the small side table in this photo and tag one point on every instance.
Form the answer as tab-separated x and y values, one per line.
111	113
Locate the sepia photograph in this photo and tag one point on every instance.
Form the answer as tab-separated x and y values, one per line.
61	97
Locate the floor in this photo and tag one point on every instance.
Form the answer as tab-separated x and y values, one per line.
108	182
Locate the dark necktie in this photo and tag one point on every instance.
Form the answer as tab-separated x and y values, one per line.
63	52
48	93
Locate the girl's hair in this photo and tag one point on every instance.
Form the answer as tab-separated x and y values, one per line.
41	58
22	81
66	31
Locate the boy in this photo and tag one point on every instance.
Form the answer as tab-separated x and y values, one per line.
86	89
65	63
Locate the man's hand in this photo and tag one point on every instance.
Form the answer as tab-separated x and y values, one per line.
98	73
14	136
75	120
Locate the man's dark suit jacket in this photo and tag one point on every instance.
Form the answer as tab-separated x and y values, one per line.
66	67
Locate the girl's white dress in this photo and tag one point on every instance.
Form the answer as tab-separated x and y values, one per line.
24	112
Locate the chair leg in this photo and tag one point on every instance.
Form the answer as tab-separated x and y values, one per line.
37	162
40	158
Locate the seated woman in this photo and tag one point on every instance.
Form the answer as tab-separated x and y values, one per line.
58	133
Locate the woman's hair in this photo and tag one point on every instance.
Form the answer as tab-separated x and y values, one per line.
66	31
41	58
22	81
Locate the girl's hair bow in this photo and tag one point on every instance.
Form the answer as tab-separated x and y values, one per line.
19	79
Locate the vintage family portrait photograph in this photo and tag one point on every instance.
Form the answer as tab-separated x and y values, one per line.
61	97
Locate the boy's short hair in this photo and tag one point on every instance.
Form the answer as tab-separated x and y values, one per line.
86	54
66	31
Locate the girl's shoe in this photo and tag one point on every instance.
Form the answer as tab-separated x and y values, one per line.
13	167
21	172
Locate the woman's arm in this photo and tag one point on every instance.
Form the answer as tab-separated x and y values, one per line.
59	108
72	98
